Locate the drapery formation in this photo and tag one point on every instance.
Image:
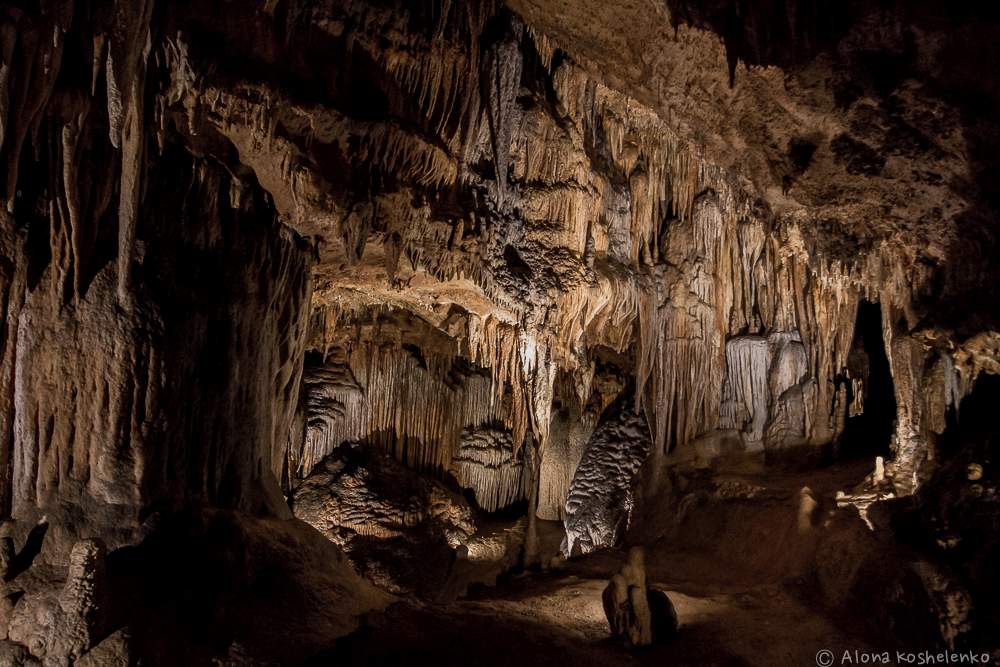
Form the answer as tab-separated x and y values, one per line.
460	164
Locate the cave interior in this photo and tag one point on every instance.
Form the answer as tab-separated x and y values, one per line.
499	331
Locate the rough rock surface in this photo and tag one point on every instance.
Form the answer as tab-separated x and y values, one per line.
401	530
485	464
65	624
112	651
767	391
600	500
236	235
638	614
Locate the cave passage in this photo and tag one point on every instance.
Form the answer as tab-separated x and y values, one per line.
868	433
498	332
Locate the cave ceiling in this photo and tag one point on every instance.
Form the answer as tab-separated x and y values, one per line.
853	127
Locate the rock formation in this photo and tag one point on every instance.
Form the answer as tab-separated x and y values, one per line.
530	259
600	502
637	614
402	531
68	623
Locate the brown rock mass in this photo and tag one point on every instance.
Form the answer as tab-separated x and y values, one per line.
447	285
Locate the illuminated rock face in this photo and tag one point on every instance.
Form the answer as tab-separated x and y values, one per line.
485	464
525	249
401	530
600	500
767	390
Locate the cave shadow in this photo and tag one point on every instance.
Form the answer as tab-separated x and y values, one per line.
972	427
869	433
954	519
959	301
484	634
26	556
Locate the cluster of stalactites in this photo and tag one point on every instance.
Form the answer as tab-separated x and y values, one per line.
414	408
541	164
662	250
486	463
425	411
729	276
929	383
768	394
519	362
57	113
692	264
653	240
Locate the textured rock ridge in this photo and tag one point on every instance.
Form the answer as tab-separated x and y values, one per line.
600	502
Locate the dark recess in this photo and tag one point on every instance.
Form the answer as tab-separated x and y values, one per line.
516	263
869	433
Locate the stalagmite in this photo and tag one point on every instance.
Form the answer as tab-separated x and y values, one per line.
281	280
504	75
637	613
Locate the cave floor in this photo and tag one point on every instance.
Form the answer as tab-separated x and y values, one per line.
557	618
729	614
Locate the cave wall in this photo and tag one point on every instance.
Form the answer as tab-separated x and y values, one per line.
155	307
608	232
112	421
466	213
522	204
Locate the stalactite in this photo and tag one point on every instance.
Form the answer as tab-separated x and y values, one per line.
745	395
387	397
503	79
41	57
126	72
625	231
8	39
560	191
96	444
485	463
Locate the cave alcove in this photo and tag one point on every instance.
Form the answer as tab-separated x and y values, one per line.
868	433
971	430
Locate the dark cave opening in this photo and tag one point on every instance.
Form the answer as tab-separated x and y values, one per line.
972	428
956	518
515	263
871	416
515	510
